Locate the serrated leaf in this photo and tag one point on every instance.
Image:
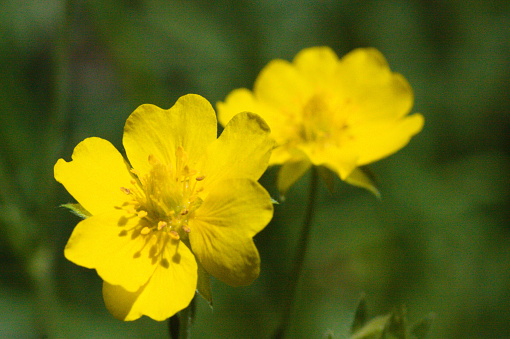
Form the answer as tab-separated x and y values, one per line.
78	210
364	178
421	328
204	284
360	316
328	177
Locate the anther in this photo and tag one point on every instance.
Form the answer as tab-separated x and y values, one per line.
142	214
174	235
161	225
186	229
125	190
200	178
184	211
145	230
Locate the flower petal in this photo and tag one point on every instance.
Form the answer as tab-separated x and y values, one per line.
223	227
341	160
370	90
317	65
169	290
242	150
150	130
376	141
243	100
113	245
280	85
95	175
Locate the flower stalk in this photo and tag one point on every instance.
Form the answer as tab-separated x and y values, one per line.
297	269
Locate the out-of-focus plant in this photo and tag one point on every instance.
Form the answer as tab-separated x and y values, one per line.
333	114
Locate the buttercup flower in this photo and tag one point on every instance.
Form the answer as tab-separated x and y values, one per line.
185	197
324	111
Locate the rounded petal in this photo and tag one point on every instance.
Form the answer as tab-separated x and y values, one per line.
150	130
113	245
341	160
169	290
280	85
237	101
317	65
243	100
95	175
223	227
370	91
376	141
242	150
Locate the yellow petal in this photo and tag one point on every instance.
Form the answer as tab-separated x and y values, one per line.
317	65
113	245
369	89
280	155
280	85
242	150
237	101
222	231
150	130
290	172
95	175
376	141
169	290
341	160
243	100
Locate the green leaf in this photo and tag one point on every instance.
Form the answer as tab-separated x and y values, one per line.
364	178
374	329
360	317
78	210
204	284
396	326
421	328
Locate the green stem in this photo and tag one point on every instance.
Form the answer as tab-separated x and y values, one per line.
179	326
295	274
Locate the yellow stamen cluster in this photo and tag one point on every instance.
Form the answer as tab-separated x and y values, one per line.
166	198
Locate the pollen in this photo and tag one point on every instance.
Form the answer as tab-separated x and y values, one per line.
161	225
174	235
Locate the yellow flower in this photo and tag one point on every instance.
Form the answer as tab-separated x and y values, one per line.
184	197
324	111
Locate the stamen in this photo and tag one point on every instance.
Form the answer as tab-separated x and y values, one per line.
145	230
125	190
153	160
161	225
186	229
142	214
184	211
174	235
200	178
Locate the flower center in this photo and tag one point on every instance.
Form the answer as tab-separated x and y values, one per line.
166	197
321	124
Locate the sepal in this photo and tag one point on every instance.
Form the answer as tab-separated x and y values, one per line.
78	210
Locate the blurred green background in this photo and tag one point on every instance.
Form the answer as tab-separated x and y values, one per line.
438	241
